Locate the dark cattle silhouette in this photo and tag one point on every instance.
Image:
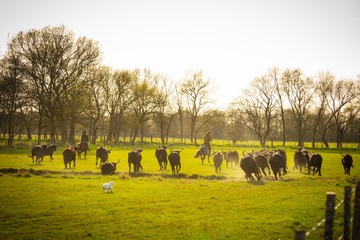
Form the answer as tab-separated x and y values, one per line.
347	162
49	150
277	162
174	159
134	158
231	156
161	156
38	153
69	155
262	163
301	157
103	154
315	162
218	159
248	165
109	168
203	152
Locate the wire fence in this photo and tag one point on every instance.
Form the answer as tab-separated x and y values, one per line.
330	217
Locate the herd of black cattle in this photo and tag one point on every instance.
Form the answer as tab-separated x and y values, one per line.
258	163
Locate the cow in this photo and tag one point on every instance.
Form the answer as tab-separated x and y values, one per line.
248	165
218	159
266	153
301	157
203	152
109	168
315	161
261	162
134	157
82	147
277	162
69	155
282	152
161	156
103	154
49	150
347	162
174	159
38	153
231	156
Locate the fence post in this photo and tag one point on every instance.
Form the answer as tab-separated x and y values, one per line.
299	235
347	212
329	216
356	220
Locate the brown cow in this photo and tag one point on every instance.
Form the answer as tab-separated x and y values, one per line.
69	155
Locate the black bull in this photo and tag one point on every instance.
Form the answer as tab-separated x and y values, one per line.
174	159
315	161
134	157
69	155
161	156
40	151
103	154
347	162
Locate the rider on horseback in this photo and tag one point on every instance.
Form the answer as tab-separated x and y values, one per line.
207	140
84	138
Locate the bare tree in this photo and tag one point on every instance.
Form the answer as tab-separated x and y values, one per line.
144	105
196	92
55	65
275	77
299	91
163	115
180	111
342	95
322	89
256	107
12	97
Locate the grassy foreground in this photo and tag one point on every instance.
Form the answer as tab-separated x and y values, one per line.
196	204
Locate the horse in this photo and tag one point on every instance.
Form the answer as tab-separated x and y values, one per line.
82	147
203	152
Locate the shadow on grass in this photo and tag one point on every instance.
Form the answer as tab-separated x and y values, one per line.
69	171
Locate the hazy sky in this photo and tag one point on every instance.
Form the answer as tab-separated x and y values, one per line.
231	41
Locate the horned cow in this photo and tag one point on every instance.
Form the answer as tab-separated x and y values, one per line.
174	159
103	154
109	168
301	157
261	162
231	156
161	156
134	158
347	162
248	165
69	155
218	159
37	152
278	162
49	150
315	161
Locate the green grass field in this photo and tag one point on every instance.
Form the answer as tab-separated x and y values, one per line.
195	204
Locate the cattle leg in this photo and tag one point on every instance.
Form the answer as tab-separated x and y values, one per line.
275	174
263	170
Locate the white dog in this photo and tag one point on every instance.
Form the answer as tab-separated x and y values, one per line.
108	187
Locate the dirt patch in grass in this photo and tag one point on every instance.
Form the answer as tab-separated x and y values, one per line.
90	173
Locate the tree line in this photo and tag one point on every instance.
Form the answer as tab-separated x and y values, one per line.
53	84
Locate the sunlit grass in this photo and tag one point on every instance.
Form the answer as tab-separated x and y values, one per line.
70	204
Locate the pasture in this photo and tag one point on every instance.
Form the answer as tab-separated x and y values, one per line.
46	201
